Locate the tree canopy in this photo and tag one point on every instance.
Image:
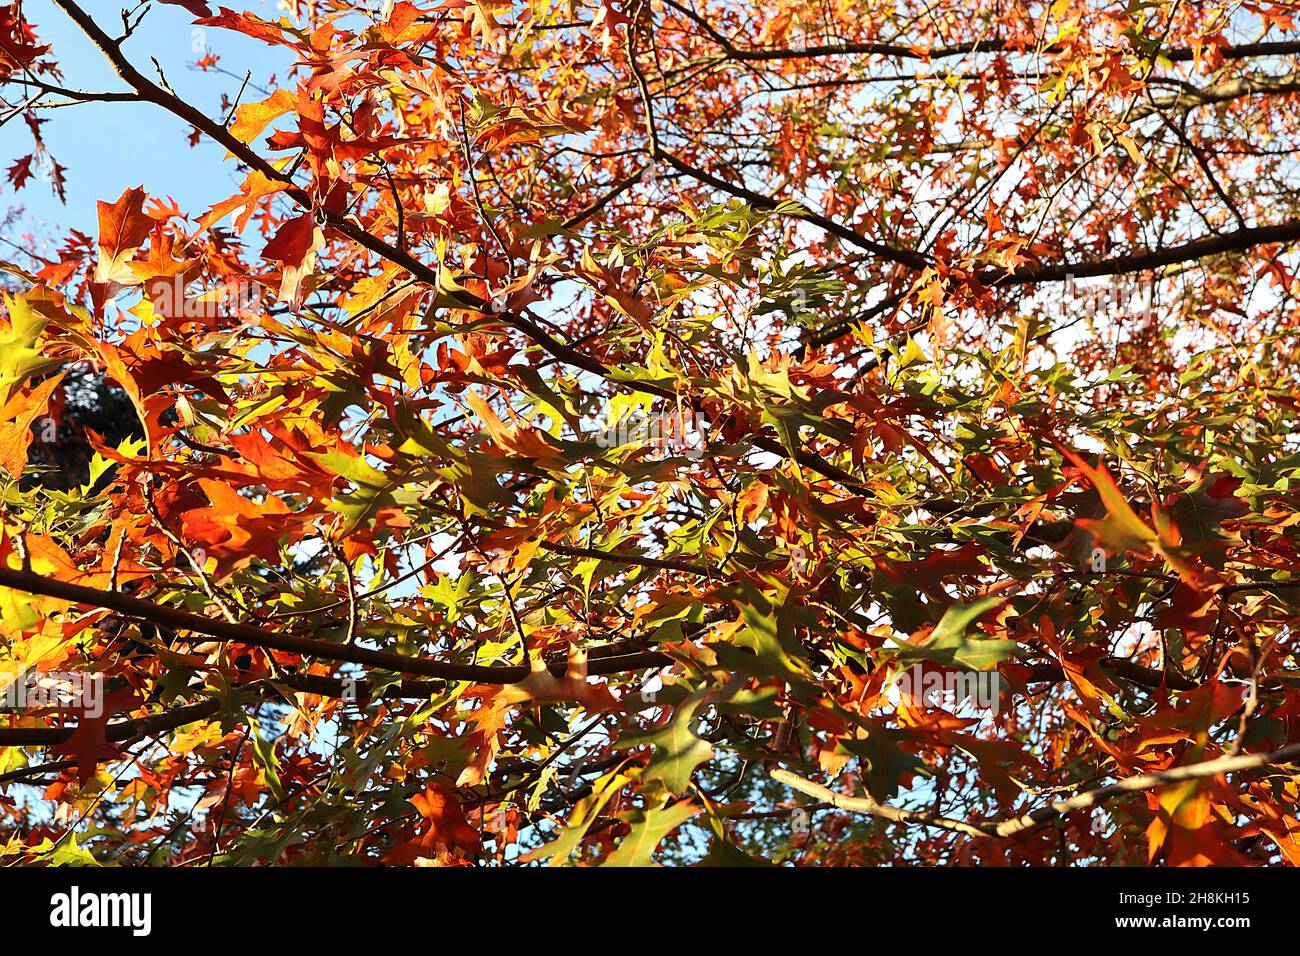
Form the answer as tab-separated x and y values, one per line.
662	431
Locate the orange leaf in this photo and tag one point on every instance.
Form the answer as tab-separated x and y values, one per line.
294	247
16	424
1122	529
123	228
542	687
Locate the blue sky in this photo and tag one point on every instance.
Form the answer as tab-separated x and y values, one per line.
110	147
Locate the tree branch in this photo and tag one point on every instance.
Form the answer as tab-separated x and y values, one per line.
276	640
115	730
901	51
1052	811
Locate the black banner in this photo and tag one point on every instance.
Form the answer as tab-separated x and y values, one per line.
327	906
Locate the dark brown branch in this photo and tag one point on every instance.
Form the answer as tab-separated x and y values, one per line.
291	643
1237	241
901	51
1122	668
116	730
618	557
1219	93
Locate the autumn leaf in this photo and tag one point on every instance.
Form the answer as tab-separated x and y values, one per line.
446	823
678	749
123	228
1121	529
295	246
89	744
21	358
16	424
251	118
542	687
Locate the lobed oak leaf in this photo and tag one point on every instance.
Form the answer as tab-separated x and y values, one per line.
249	25
255	187
89	744
678	749
16	424
442	834
251	118
514	439
123	228
20	171
649	828
543	687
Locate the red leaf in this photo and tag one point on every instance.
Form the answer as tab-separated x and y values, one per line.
89	743
294	247
196	7
20	171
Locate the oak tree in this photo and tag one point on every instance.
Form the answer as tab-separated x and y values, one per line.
630	431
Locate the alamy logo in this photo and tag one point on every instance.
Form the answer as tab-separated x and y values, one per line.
75	909
933	687
230	299
56	690
668	433
1110	299
226	299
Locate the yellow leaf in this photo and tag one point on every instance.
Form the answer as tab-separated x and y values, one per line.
1131	147
252	118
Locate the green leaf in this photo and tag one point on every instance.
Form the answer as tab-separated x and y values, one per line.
649	827
584	814
678	749
264	755
883	762
949	644
66	852
20	359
